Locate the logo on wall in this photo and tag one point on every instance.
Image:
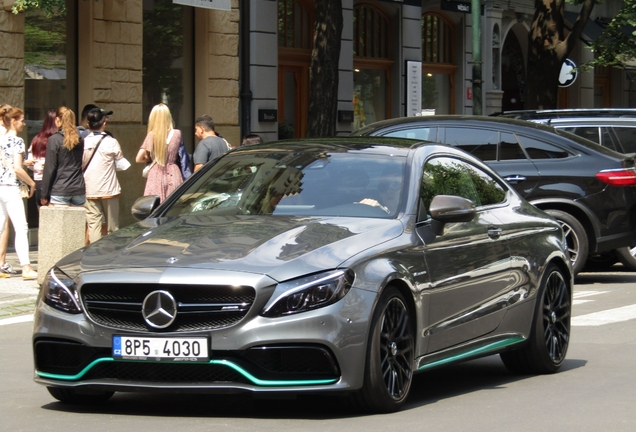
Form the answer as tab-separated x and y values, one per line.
568	73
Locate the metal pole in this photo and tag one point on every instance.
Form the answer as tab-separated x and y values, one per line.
476	23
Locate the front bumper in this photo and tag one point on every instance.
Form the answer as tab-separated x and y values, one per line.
320	350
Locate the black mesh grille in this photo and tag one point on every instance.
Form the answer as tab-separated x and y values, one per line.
292	361
64	357
199	307
165	372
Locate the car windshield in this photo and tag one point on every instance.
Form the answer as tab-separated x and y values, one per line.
298	182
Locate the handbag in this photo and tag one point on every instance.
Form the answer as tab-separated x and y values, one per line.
147	169
25	190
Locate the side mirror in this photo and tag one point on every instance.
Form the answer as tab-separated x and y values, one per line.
450	208
144	206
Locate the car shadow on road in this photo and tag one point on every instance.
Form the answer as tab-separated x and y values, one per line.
617	275
428	387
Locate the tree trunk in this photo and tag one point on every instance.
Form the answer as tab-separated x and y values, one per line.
548	48
323	71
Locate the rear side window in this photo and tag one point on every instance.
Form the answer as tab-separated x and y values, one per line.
537	149
420	133
509	148
481	143
587	132
626	138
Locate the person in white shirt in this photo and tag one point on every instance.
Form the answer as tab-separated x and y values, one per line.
101	152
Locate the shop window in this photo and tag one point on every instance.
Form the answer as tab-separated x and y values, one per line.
295	41
438	64
50	64
372	64
168	63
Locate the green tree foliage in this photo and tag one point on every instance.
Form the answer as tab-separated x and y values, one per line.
45	39
49	7
617	43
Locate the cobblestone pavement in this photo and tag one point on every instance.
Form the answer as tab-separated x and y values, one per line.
17	296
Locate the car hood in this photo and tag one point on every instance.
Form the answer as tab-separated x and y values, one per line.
280	247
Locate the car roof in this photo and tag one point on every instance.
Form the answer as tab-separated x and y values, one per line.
577	112
611	121
511	125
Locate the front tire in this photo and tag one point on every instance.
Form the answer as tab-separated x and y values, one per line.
70	396
549	338
389	366
575	236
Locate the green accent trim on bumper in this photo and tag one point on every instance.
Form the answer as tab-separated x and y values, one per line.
226	363
471	353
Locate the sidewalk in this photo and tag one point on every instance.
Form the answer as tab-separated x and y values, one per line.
17	296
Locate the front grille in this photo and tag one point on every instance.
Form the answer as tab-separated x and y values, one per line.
199	307
64	357
165	372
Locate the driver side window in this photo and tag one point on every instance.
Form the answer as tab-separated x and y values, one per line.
448	176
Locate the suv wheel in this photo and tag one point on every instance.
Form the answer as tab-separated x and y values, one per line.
575	236
627	255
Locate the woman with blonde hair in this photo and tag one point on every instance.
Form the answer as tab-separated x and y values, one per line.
11	172
63	180
161	150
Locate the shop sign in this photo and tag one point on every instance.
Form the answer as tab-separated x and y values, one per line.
568	73
225	5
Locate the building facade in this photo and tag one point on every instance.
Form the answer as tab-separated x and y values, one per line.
248	65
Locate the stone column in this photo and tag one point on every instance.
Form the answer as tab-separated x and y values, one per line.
11	57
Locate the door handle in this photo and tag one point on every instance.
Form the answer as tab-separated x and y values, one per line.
494	232
515	179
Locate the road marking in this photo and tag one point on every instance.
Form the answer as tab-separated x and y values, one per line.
609	316
577	295
16	320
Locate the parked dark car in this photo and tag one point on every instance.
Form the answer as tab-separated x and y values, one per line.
614	128
332	265
588	188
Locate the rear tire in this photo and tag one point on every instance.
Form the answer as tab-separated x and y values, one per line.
575	236
70	396
600	262
389	367
549	338
627	256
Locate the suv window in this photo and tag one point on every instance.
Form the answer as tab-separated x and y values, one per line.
421	133
481	143
448	176
537	149
509	148
626	139
587	132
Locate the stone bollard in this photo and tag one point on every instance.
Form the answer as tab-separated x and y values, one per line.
62	231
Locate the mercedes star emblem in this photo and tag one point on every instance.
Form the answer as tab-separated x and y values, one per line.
172	260
159	309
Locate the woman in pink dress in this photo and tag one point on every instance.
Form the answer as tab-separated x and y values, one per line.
161	148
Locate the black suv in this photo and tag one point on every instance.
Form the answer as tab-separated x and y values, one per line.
614	128
590	189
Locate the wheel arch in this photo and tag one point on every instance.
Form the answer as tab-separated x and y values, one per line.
580	212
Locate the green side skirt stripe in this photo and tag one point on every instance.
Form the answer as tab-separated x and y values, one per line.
226	363
473	353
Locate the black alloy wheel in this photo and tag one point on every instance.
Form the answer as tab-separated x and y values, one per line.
549	338
575	236
389	370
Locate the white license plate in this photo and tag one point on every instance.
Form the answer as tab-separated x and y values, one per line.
160	349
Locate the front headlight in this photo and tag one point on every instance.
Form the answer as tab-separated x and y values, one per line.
308	293
60	292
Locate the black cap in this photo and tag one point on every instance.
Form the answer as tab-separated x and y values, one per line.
96	115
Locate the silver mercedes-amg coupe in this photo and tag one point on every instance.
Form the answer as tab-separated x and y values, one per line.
325	265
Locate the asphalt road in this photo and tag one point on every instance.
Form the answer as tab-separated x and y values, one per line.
593	391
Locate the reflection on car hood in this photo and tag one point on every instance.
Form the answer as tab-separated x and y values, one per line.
281	247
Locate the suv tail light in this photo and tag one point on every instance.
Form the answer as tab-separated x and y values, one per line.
619	177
